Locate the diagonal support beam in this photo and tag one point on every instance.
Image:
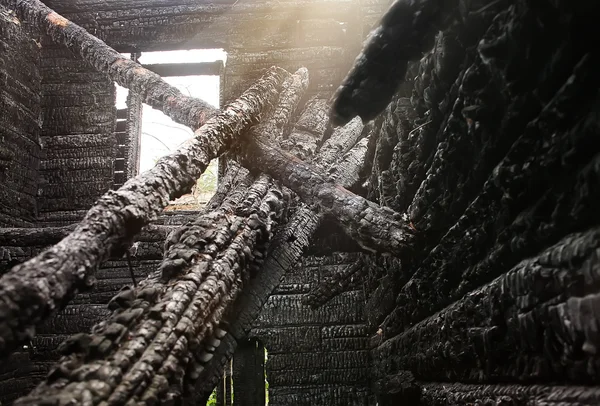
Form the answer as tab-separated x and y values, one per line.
374	228
32	291
154	91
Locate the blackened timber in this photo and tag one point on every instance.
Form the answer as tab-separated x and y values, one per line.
169	324
374	228
187	69
155	92
32	291
286	250
161	326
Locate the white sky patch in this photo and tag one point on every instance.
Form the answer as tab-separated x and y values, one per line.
161	135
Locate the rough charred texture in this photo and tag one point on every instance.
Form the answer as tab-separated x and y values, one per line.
20	121
154	91
287	331
526	324
172	318
439	394
34	290
494	159
161	333
373	227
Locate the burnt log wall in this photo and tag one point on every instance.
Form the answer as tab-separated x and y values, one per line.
78	135
20	121
494	154
315	356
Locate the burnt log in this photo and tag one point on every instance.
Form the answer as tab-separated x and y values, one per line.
153	90
288	245
160	332
374	228
32	291
164	332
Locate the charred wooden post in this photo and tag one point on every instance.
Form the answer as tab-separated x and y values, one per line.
153	90
33	290
249	374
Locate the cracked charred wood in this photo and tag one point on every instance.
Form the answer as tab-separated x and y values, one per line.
166	329
284	253
524	325
157	93
534	178
32	291
374	228
406	31
440	394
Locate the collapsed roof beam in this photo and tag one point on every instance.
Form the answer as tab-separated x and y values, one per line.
164	331
32	291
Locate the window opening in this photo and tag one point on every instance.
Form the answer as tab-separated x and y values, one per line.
193	74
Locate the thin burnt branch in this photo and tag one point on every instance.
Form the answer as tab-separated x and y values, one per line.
32	291
157	93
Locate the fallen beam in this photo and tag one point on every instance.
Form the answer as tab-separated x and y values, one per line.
32	291
164	331
154	91
285	251
374	228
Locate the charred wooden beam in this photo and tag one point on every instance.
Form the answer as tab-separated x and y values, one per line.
159	333
374	228
154	91
286	249
164	332
32	291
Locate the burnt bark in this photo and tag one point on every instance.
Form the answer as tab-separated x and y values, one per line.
374	228
164	332
33	290
154	91
160	333
286	249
